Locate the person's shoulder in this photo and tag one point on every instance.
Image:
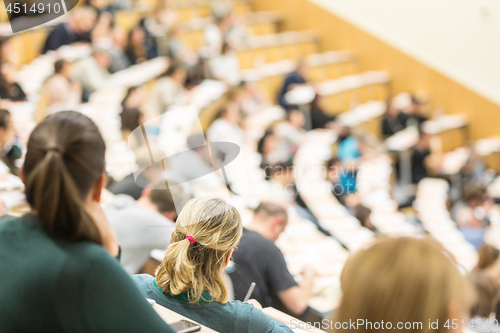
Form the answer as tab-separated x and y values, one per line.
91	253
26	224
257	241
58	29
143	281
9	222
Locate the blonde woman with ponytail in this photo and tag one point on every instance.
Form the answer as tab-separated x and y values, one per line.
56	265
190	280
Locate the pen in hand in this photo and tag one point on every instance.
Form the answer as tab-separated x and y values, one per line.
249	292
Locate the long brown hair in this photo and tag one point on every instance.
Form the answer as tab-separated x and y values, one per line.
401	280
195	268
64	159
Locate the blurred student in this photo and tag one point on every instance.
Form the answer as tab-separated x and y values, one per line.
169	90
394	120
143	225
402	280
271	155
59	266
138	50
190	280
7	52
9	152
214	34
259	260
59	89
319	119
226	127
339	176
134	97
476	212
178	51
250	98
415	114
293	80
291	132
226	66
362	214
488	262
77	28
117	51
9	88
473	219
131	119
92	72
486	301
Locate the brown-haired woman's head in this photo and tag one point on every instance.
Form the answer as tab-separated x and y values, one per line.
64	165
207	230
488	256
402	280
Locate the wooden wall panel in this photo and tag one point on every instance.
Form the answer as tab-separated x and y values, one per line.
408	74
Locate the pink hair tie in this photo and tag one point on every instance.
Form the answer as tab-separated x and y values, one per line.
191	239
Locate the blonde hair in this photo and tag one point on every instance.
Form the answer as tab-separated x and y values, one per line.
401	280
198	267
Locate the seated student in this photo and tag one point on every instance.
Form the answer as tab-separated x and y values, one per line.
339	177
131	119
486	301
259	260
402	280
169	90
117	51
143	225
393	121
291	132
488	262
271	155
9	152
226	66
226	127
319	119
476	213
294	79
190	280
92	72
9	89
415	113
138	49
77	28
60	90
57	271
134	98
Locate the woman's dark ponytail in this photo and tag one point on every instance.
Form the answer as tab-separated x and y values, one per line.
64	160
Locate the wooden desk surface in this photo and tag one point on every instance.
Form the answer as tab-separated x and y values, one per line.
171	317
289	320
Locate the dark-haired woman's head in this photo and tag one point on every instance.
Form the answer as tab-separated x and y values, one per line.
64	168
267	143
7	133
131	118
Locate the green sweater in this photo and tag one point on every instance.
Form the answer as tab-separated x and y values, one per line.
49	285
231	317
